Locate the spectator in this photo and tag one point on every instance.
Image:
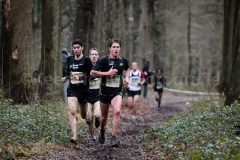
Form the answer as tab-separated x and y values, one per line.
65	54
147	73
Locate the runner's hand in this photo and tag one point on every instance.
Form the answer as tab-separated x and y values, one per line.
125	82
63	80
112	71
75	77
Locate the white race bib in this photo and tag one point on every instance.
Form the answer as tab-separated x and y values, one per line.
76	81
95	83
159	85
113	81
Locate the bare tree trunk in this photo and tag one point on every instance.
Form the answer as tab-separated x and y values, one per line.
233	86
84	23
190	65
50	56
229	23
16	47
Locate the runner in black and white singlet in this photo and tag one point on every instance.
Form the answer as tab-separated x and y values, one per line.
79	67
136	79
159	82
93	111
111	68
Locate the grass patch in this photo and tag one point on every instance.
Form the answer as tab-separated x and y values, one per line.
205	131
25	130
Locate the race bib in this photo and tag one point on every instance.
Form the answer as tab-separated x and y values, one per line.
95	83
159	85
76	81
135	80
113	81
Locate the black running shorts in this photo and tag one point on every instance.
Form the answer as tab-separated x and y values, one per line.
107	99
133	93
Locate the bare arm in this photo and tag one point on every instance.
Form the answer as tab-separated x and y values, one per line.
143	81
111	72
126	77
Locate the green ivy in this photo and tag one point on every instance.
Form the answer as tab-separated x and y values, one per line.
202	132
22	127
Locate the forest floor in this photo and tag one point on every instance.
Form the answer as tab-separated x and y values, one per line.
129	132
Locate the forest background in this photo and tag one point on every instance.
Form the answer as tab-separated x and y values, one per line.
186	38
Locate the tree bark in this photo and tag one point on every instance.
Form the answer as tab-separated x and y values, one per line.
233	85
50	54
190	65
229	23
16	47
84	23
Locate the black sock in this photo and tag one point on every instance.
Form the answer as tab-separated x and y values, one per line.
113	136
102	131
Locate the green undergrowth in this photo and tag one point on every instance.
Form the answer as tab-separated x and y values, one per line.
25	130
204	131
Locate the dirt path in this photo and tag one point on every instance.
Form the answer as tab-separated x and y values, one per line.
129	131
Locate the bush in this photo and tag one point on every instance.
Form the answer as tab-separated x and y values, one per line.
203	131
26	128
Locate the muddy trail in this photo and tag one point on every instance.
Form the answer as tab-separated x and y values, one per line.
129	132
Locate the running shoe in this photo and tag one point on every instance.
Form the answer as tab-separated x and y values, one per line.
93	142
114	142
97	122
101	138
73	140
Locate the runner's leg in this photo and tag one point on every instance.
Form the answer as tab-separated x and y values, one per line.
156	95
90	116
135	104
159	99
116	103
83	110
72	104
130	103
97	113
104	112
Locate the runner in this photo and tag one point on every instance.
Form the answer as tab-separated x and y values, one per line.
136	79
111	68
159	82
79	67
94	104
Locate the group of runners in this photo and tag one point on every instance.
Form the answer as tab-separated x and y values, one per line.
96	83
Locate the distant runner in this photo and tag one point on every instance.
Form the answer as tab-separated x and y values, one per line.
136	79
159	82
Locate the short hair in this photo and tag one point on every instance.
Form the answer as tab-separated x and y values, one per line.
90	50
64	50
77	41
159	69
134	62
116	40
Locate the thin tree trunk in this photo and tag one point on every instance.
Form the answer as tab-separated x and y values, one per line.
233	87
50	55
84	23
229	9
189	46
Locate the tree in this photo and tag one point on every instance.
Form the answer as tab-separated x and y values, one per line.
229	23
50	54
84	22
232	9
16	47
